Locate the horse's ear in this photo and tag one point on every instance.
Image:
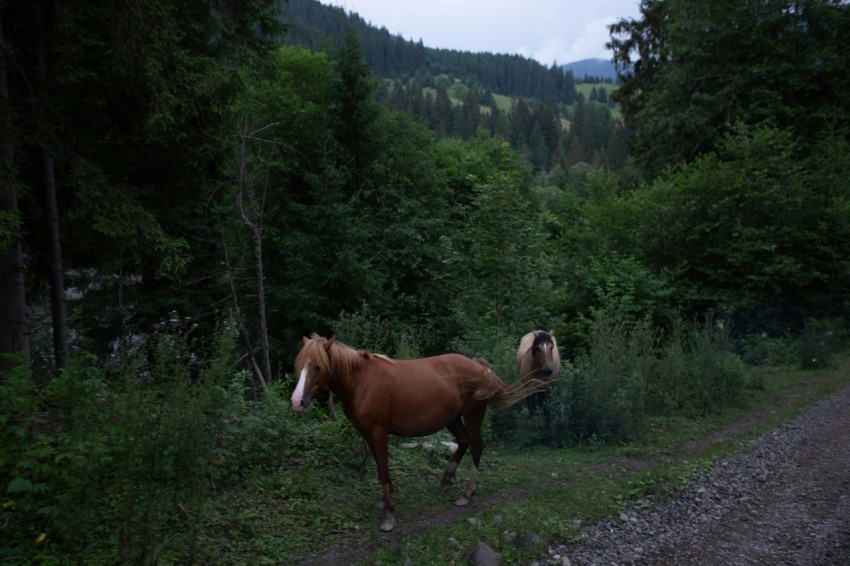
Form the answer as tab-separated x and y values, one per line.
552	333
330	343
304	340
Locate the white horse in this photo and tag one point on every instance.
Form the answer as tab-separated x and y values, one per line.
538	356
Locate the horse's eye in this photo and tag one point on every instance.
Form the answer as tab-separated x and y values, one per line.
316	369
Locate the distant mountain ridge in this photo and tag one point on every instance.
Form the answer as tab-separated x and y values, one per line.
602	68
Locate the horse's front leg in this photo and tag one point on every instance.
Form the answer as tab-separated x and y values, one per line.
378	443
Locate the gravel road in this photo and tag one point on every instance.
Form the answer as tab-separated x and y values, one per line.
785	499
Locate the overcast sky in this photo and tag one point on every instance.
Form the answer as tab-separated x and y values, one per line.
546	30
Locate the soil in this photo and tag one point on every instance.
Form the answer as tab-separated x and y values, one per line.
783	499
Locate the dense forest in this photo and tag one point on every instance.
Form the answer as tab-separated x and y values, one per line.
181	203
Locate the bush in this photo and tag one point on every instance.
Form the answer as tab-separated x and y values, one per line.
717	372
762	349
696	370
600	398
627	372
361	330
610	380
819	341
117	463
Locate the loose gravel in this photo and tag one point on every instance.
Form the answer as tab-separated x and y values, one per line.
785	499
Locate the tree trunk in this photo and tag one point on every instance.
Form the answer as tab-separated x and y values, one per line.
57	275
253	222
14	329
243	334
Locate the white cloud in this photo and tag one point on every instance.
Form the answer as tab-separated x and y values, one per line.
546	30
591	41
551	50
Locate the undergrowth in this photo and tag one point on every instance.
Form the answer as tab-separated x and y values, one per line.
162	456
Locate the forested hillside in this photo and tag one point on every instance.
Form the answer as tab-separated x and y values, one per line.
537	109
180	204
316	25
592	70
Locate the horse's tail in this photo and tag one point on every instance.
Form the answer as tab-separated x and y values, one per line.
491	389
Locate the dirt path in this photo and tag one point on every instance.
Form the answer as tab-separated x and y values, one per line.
802	513
784	499
787	498
797	511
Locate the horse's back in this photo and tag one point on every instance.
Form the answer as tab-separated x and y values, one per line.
419	397
451	373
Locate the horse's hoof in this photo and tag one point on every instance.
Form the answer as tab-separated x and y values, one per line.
387	525
462	501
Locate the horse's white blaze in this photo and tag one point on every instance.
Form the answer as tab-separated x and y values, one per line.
298	394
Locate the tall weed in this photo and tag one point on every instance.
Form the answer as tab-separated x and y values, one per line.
610	380
697	370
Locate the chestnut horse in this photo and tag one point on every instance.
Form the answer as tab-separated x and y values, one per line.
382	396
537	356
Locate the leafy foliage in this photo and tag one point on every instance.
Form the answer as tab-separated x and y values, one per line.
400	239
151	436
692	70
627	373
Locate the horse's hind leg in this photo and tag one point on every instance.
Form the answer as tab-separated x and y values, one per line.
459	432
473	420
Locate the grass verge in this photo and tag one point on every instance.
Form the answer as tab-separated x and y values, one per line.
320	506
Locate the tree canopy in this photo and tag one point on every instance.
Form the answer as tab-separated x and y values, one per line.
691	71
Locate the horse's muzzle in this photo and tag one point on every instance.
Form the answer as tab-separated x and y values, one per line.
300	398
300	405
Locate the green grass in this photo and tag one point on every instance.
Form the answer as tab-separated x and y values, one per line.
292	487
327	496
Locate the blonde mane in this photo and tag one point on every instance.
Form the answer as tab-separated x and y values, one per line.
340	362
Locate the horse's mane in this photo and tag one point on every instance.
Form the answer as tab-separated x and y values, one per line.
341	361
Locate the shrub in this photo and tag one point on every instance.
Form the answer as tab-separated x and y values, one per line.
364	331
116	463
762	349
819	341
627	372
696	370
717	372
611	378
